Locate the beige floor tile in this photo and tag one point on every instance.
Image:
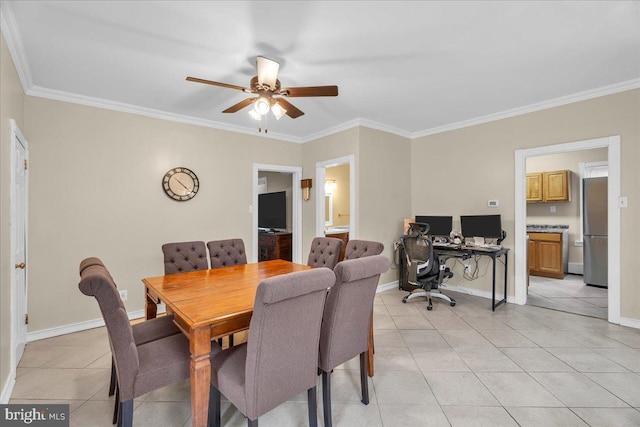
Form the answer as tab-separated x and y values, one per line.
93	413
417	322
547	338
459	388
627	357
585	360
387	338
394	359
161	413
506	338
424	338
478	416
383	321
351	415
607	417
465	338
438	359
625	386
406	387
576	390
547	417
487	359
518	389
536	360
345	387
413	416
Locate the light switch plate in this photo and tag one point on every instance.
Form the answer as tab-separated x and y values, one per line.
493	203
622	201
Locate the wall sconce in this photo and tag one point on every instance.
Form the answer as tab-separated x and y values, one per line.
330	186
305	184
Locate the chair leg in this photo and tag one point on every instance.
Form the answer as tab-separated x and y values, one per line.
252	423
364	385
116	406
126	414
214	406
313	407
326	398
112	383
230	340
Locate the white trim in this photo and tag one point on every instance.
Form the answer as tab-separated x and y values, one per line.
575	268
8	388
320	177
613	144
632	323
82	326
556	102
12	37
296	207
387	286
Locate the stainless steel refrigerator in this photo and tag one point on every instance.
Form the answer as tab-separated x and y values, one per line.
594	214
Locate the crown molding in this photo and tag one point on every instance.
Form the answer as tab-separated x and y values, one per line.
356	123
557	102
57	95
9	28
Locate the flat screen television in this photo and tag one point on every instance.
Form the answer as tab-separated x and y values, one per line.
487	226
439	226
272	211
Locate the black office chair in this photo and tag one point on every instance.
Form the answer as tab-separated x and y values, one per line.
424	269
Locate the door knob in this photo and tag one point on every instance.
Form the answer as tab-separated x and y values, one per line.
21	266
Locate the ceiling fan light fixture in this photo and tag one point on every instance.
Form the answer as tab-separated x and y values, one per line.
262	106
254	114
278	111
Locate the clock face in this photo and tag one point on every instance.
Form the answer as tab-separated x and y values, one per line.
180	184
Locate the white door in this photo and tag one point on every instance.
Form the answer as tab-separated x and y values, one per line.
19	243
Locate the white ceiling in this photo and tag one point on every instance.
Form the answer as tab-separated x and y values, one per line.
409	67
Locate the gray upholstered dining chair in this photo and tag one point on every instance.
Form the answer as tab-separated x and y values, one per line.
346	321
182	257
140	368
143	332
362	248
226	252
324	252
279	360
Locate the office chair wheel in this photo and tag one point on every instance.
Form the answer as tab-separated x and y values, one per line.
429	307
404	300
453	303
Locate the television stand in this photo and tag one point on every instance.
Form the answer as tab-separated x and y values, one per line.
274	245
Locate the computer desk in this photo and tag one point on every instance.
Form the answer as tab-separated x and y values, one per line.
494	254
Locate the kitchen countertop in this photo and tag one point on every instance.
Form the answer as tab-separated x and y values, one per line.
541	228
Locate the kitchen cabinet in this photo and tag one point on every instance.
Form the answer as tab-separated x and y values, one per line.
552	186
546	255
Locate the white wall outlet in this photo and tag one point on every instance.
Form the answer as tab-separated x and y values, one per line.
467	268
123	295
493	203
552	209
622	201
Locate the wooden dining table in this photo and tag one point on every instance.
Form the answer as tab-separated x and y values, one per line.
207	305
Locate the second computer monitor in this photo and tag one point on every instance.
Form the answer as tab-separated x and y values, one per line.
487	226
438	225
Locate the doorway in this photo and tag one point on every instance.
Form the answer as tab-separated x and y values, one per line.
295	173
19	233
613	193
327	207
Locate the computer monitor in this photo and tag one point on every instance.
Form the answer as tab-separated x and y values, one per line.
487	226
438	225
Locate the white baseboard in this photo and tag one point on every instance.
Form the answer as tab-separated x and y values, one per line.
576	268
387	286
8	387
82	326
632	323
476	292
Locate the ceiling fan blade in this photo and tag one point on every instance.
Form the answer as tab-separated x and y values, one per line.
292	110
240	105
210	82
310	91
267	71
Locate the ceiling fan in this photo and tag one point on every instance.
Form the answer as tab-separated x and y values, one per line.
271	96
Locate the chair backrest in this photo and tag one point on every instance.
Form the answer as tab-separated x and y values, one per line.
324	252
284	332
418	249
182	257
227	252
348	310
97	282
361	248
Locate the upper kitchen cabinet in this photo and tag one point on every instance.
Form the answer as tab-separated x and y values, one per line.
549	186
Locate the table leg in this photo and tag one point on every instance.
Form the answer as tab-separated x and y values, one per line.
200	343
493	287
151	308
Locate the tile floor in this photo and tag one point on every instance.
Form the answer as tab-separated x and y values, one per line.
453	366
570	295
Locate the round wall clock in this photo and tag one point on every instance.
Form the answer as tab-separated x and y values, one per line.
180	184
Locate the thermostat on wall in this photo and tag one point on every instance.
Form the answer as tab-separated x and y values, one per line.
493	203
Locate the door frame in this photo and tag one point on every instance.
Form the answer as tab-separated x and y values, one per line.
612	143
320	193
296	207
17	313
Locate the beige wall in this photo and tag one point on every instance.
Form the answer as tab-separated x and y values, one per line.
567	213
341	194
96	191
469	166
11	107
281	181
